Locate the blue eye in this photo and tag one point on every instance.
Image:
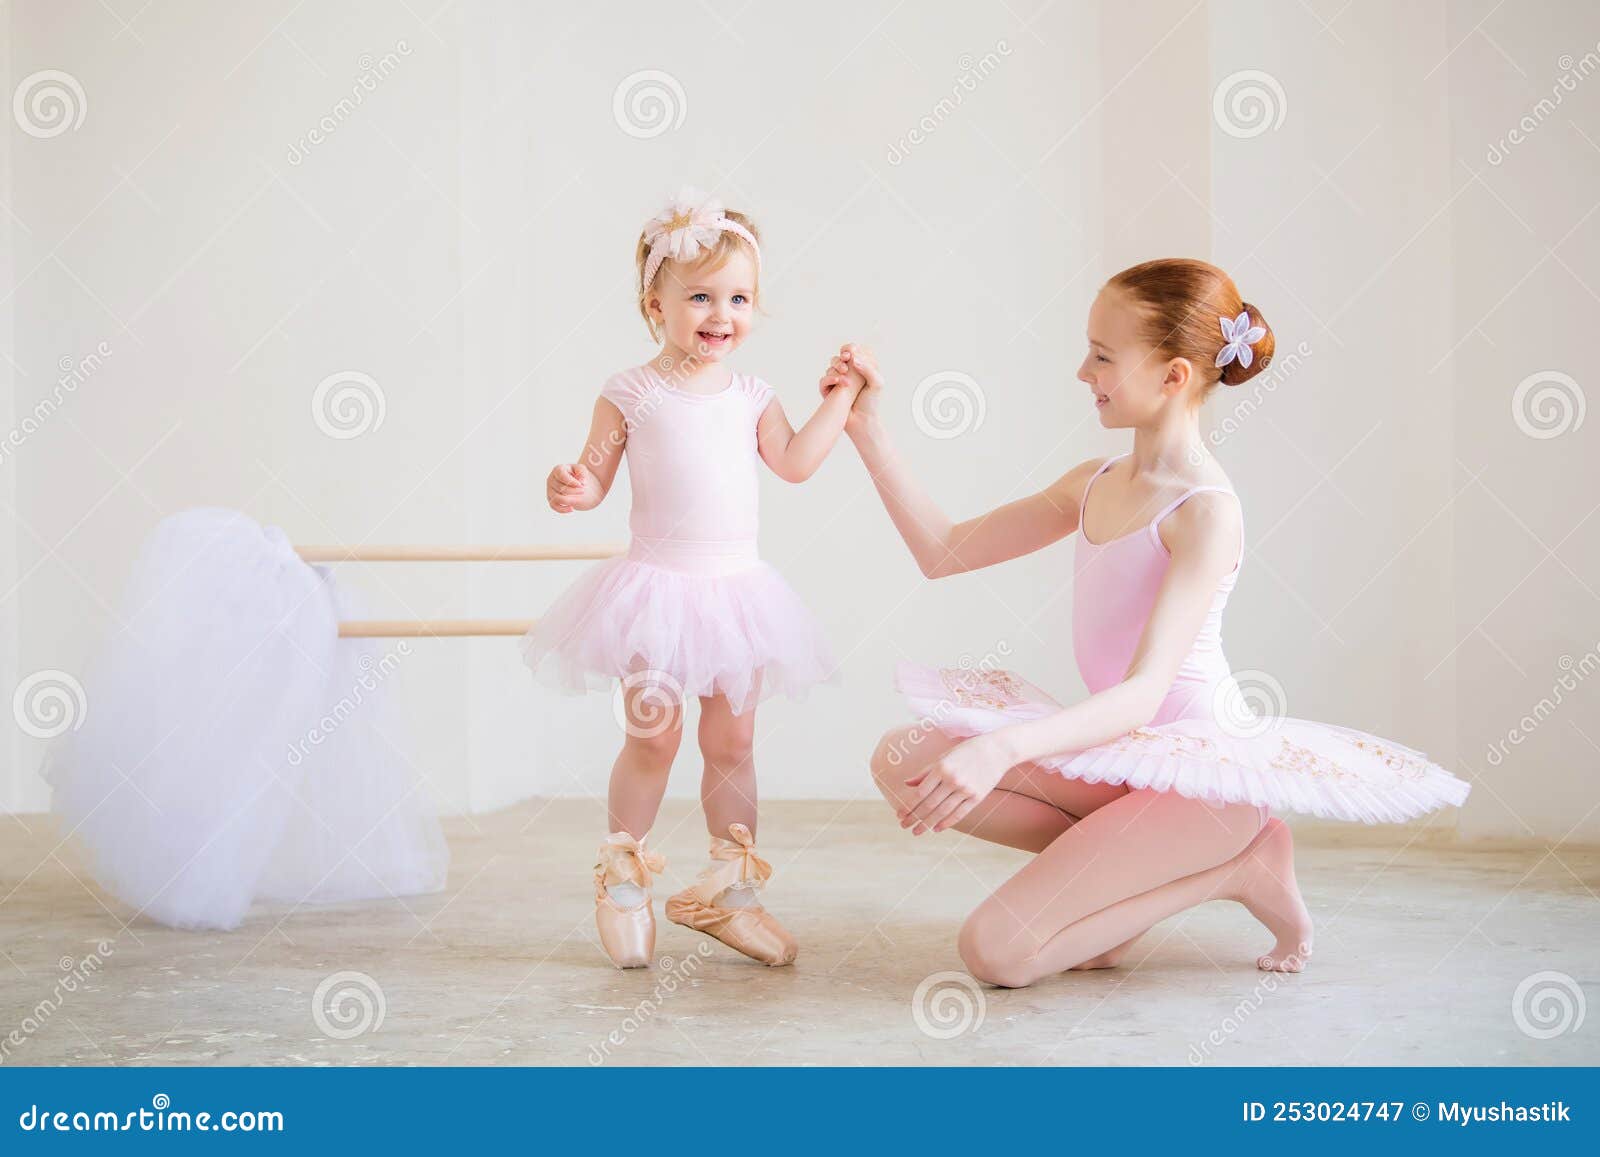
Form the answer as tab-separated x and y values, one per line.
740	298
698	297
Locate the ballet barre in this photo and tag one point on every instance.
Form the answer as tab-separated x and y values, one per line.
446	628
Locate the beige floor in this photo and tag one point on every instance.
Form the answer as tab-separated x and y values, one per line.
1421	950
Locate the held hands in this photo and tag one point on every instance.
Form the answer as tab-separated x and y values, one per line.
572	487
855	368
953	785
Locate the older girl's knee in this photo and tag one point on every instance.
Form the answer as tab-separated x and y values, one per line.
992	950
891	758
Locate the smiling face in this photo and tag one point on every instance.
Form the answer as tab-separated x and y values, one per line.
704	311
1131	382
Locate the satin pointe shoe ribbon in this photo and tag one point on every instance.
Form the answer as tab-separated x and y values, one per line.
750	929
628	935
625	860
737	862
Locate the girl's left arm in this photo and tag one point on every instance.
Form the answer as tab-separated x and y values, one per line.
1203	537
794	455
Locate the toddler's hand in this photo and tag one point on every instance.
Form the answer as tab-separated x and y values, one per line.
855	367
572	487
862	360
838	377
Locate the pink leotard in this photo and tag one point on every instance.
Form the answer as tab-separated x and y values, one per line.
1114	590
692	463
691	602
1206	740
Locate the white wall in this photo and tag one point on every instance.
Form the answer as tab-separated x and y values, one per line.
1327	222
1525	297
13	775
464	237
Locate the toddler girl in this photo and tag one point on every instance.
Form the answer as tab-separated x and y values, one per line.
691	609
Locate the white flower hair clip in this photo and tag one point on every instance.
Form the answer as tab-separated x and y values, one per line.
1238	335
689	224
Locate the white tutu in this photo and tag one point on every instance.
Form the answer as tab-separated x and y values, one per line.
696	634
1293	764
233	748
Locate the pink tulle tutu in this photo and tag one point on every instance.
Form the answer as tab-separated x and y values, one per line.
1294	764
744	633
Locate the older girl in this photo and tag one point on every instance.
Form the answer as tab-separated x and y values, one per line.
1152	794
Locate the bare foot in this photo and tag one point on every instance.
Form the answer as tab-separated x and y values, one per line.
1264	883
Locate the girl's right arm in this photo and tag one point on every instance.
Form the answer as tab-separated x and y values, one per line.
583	485
940	546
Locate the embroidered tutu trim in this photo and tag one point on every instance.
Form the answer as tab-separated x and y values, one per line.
1290	764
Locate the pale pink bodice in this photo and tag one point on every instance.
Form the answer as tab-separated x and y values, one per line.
693	469
1115	585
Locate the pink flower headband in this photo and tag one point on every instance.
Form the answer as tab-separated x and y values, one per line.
689	223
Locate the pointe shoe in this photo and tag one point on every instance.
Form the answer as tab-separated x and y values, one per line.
751	930
627	934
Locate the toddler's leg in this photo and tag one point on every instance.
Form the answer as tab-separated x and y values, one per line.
728	786
724	901
639	776
623	912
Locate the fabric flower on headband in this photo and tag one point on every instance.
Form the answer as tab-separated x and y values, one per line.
1238	335
690	223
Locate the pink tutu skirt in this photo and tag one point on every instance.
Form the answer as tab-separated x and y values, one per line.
700	619
1293	764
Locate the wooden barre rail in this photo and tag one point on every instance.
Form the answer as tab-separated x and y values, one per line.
446	628
433	628
533	553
